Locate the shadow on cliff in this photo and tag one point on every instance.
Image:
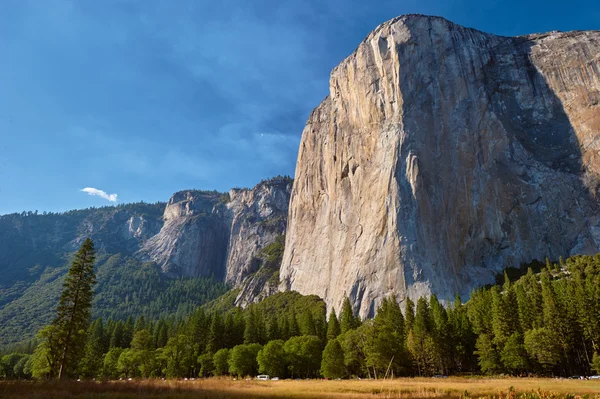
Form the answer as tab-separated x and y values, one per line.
542	148
541	126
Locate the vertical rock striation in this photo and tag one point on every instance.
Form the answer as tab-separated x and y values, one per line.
212	234
258	216
441	156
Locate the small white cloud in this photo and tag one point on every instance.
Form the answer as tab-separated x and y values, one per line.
100	193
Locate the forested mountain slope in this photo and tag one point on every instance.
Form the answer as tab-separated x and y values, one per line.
153	259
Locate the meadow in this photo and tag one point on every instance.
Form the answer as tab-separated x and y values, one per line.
215	388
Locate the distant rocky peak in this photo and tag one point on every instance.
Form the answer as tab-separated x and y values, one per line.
191	202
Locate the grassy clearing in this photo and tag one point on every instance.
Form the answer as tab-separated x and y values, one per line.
406	388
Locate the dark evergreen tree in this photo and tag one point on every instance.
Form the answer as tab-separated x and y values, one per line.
333	326
347	319
74	308
332	364
116	339
251	331
216	335
273	328
91	364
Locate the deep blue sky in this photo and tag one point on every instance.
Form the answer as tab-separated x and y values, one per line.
144	98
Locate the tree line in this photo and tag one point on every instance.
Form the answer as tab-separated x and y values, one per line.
545	323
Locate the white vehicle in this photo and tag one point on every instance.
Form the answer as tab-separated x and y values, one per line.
263	377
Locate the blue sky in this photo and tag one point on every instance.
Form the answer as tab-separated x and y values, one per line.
144	98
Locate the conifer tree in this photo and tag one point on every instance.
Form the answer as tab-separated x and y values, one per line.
216	334
333	326
140	324
251	334
91	364
74	309
347	319
332	364
128	328
409	316
463	336
441	334
307	326
293	329
116	338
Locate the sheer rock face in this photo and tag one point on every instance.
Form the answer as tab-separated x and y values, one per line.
442	155
193	239
205	234
258	217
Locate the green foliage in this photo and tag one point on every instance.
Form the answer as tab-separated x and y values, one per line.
221	361
91	364
110	368
242	360
273	253
177	355
488	356
333	326
545	324
596	362
513	355
272	359
207	366
542	344
332	364
347	319
73	312
304	355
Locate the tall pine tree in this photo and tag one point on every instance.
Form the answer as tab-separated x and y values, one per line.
74	308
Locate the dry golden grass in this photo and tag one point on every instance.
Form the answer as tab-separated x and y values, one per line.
405	388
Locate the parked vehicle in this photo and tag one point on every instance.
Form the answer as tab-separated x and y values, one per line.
263	377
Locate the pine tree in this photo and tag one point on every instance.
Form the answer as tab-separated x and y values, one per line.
421	344
463	336
116	338
128	328
216	334
409	316
74	308
307	325
347	319
91	364
273	328
441	334
333	326
513	355
505	313
529	300
251	334
332	364
140	324
293	329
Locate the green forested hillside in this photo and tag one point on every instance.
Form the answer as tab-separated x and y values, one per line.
545	323
35	250
126	288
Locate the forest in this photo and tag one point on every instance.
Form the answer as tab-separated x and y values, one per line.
544	323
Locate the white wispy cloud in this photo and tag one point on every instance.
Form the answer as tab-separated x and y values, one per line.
100	193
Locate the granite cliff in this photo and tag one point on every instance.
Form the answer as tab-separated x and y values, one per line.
148	254
441	156
210	233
